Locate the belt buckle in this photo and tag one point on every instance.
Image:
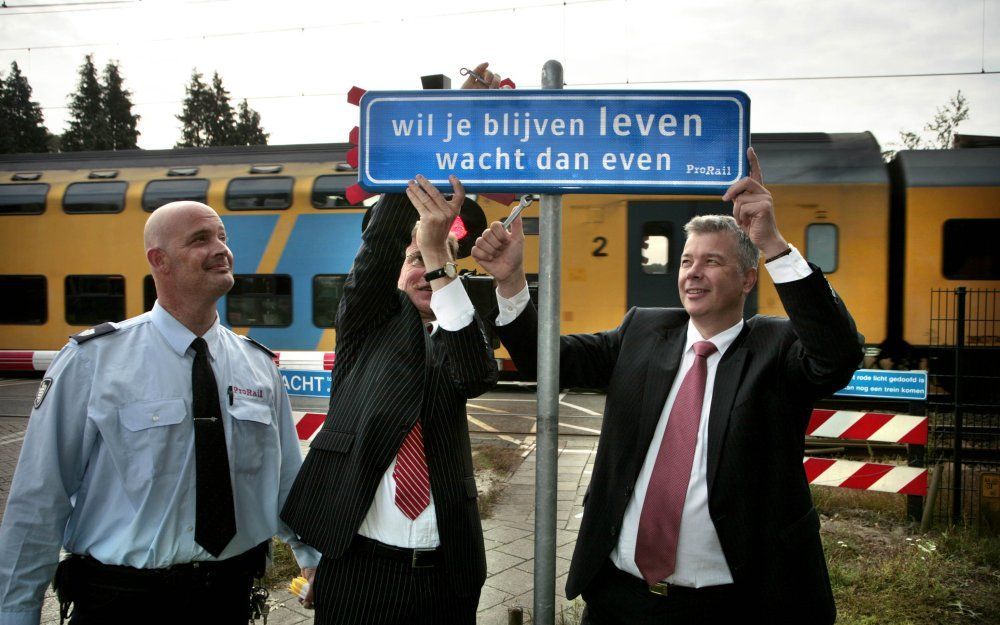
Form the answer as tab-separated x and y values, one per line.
416	557
660	589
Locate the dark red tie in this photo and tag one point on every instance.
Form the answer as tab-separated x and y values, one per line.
413	484
660	521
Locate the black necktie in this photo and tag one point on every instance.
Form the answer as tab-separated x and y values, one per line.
215	520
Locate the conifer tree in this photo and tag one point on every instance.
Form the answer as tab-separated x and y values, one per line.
195	131
117	102
22	126
248	129
88	125
221	116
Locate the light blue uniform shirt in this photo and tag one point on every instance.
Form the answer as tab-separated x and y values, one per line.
107	467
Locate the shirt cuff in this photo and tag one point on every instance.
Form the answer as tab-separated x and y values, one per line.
452	307
305	556
788	268
511	308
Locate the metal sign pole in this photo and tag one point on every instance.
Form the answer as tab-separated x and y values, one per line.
550	233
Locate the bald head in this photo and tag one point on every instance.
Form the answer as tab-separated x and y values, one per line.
165	222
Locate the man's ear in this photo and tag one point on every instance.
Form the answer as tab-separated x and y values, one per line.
157	259
749	280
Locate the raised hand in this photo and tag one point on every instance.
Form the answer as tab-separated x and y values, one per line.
753	209
501	253
492	80
436	216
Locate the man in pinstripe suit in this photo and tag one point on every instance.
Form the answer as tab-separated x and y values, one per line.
387	491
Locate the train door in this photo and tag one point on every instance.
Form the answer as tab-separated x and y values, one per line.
655	243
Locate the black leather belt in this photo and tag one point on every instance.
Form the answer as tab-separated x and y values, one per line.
415	558
664	589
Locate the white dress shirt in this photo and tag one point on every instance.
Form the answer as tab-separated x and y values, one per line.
107	467
385	522
700	560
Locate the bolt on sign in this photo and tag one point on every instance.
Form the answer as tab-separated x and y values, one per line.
658	142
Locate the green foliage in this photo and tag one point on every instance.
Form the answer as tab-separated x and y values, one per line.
248	130
22	127
88	127
208	118
117	101
943	126
100	112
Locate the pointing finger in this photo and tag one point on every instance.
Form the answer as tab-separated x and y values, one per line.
755	173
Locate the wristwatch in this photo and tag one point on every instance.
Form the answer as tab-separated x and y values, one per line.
450	270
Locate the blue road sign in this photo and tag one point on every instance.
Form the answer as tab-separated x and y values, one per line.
556	141
306	383
880	383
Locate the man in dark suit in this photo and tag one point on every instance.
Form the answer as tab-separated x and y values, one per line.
698	509
387	492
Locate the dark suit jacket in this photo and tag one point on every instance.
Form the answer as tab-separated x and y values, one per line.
388	373
765	386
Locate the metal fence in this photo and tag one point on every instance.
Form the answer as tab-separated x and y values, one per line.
963	404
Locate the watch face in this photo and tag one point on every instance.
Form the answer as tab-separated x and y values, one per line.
450	270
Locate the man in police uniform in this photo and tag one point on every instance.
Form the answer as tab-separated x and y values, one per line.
159	453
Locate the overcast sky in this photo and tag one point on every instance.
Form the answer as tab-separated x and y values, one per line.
295	60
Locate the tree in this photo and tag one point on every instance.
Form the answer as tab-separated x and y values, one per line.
22	126
944	125
248	129
208	118
88	125
117	102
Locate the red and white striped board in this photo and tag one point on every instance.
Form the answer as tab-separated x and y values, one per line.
868	426
13	360
305	361
884	478
307	424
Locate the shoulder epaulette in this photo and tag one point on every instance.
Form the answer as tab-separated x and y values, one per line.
259	346
93	333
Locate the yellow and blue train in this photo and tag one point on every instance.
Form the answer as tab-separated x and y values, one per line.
887	234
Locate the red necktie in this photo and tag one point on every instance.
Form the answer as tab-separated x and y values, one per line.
660	521
413	484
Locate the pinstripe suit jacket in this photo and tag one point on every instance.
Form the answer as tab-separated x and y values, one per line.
765	386
388	373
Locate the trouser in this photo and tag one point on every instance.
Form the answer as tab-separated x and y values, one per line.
197	592
615	597
377	584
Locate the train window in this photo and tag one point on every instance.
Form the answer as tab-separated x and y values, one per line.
329	191
656	247
23	199
148	293
95	197
160	192
273	193
970	249
327	290
530	225
25	300
260	300
91	300
821	246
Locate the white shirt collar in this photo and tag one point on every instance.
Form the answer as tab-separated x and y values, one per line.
179	337
722	340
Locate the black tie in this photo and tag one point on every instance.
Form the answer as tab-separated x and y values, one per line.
215	521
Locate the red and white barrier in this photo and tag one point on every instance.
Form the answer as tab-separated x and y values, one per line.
307	424
12	360
868	426
305	361
885	478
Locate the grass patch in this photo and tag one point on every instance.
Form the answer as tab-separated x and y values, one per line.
885	573
283	568
494	463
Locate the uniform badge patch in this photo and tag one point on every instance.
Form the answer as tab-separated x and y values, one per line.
43	388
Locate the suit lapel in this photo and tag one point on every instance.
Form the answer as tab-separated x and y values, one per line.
664	361
728	377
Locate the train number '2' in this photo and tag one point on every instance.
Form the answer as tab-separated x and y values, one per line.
599	250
